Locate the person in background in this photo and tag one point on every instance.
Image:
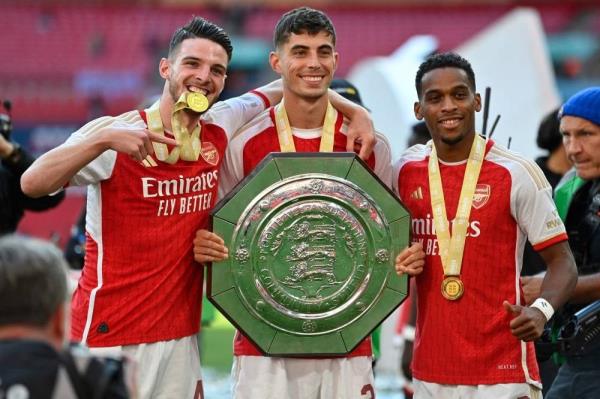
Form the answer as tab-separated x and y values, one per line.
34	360
556	163
578	201
14	160
419	134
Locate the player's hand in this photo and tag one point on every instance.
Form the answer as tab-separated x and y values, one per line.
532	287
361	134
137	143
209	247
528	323
411	260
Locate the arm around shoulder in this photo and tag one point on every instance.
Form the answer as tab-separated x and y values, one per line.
361	133
273	92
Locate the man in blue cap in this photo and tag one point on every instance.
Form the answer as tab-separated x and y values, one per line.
578	203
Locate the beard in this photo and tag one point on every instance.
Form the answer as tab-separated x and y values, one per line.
453	140
173	93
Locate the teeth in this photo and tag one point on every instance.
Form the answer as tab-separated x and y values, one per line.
312	78
195	89
450	122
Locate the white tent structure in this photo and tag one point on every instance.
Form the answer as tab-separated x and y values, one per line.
510	56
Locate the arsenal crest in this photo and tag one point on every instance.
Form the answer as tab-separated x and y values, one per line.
481	195
209	153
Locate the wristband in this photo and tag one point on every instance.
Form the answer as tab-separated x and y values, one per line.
544	306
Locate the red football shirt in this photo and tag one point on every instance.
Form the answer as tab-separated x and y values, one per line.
255	141
140	283
468	341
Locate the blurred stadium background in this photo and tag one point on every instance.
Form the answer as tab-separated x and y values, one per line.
65	62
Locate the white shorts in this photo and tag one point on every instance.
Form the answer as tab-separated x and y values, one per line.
165	369
288	378
430	390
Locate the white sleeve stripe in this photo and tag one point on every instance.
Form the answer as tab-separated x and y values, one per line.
99	276
96	124
532	169
132	117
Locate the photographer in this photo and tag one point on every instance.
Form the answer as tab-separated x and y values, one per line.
33	322
14	161
578	203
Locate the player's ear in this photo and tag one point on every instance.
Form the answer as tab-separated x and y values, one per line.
274	60
336	60
477	102
164	67
417	110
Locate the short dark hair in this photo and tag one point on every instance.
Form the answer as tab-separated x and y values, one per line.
33	281
419	134
549	136
444	60
199	27
302	20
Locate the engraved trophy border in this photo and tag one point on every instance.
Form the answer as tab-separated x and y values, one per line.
315	333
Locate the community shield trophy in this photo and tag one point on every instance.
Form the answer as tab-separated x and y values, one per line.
312	240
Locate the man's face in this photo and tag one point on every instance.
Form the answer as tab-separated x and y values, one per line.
306	64
448	105
582	144
199	65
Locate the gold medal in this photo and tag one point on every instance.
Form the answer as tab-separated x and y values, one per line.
189	144
452	246
197	102
452	288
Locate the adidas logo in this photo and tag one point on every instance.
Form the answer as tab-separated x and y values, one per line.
417	194
149	162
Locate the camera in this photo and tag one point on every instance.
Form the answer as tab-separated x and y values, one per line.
5	121
582	333
578	336
94	377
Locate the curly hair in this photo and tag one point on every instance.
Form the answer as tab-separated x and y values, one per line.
444	60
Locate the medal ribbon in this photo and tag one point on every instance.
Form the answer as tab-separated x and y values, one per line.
452	248
189	144
284	130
